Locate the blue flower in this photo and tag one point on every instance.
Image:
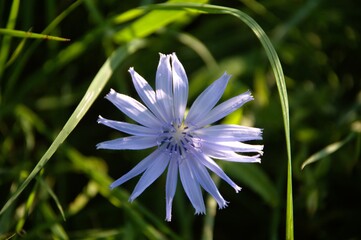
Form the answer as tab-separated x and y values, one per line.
186	144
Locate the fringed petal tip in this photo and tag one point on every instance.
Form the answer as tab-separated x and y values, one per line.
256	158
100	119
261	150
112	186
249	93
98	146
112	94
246	96
238	189
227	75
131	70
168	214
200	212
260	133
162	55
224	205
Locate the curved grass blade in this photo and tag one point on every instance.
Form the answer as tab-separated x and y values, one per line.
91	94
16	52
328	150
25	34
47	188
149	22
278	73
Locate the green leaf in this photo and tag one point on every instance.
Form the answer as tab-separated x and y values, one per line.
149	23
46	186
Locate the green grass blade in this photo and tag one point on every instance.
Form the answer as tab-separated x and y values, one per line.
91	94
25	34
328	150
61	17
5	45
278	73
47	188
16	52
26	56
149	23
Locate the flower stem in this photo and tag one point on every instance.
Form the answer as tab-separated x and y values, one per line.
211	214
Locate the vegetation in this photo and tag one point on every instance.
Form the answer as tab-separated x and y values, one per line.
59	58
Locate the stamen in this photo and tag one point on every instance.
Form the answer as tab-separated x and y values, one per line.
178	138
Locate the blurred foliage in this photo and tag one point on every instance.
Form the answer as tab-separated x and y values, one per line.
41	82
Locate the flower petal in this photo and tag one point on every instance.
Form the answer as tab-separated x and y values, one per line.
171	186
133	109
191	186
138	169
132	142
230	146
207	100
224	109
164	92
213	166
207	182
146	93
229	132
128	128
180	88
154	170
231	156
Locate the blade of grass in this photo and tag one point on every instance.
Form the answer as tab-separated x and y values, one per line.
150	23
5	45
209	218
328	150
16	53
91	94
23	60
277	71
25	34
46	186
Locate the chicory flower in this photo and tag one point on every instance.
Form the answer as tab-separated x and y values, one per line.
185	144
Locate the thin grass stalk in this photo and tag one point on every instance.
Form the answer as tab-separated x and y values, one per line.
5	45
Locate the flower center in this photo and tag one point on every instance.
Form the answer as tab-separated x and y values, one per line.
178	139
